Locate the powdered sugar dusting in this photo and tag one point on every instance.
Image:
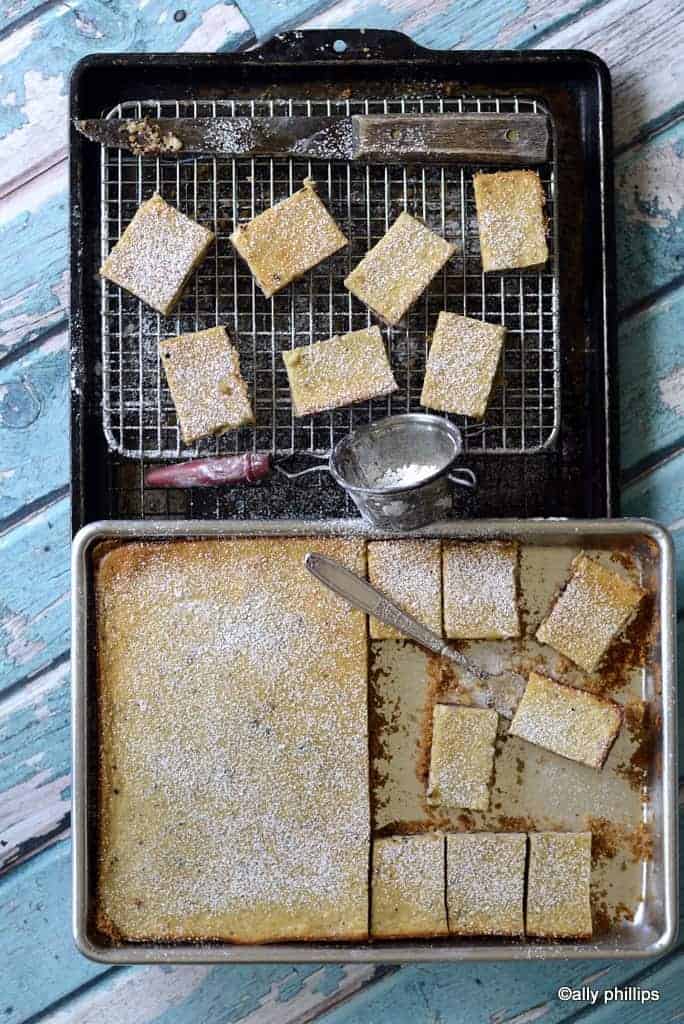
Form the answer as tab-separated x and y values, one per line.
410	573
461	365
408	886
594	607
208	390
399	268
339	371
480	590
234	709
558	885
485	883
510	219
287	240
157	253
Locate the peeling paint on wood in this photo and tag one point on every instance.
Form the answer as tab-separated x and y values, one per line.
34	604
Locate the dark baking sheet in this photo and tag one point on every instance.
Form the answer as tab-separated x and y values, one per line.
574	478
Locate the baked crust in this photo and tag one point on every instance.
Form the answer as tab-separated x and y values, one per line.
558	885
233	776
410	573
590	612
283	243
480	581
398	269
462	756
510	218
407	887
208	390
157	253
570	722
329	374
461	366
486	883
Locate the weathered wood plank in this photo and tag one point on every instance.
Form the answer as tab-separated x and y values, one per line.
34	252
470	24
652	380
35	61
659	494
639	41
34	425
35	757
663	977
40	963
286	994
649	216
34	605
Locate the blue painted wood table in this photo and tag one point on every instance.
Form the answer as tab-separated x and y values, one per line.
41	974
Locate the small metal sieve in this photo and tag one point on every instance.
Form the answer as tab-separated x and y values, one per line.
397	471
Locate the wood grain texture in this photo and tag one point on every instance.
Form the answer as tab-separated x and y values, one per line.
36	60
39	963
659	494
649	216
34	425
285	994
638	39
652	380
35	766
34	603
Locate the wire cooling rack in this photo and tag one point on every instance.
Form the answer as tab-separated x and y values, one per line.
138	415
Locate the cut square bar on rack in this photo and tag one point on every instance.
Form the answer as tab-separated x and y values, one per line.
399	268
281	244
209	392
463	358
339	371
157	253
510	218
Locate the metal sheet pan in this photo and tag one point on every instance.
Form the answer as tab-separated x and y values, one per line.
653	929
564	460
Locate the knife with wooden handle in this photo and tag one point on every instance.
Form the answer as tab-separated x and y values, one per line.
513	139
483	689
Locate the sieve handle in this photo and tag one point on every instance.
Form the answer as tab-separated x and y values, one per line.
463	478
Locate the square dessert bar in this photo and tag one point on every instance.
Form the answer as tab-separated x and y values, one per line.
157	253
410	573
570	722
349	368
558	881
486	883
281	244
480	581
462	756
208	390
593	608
399	268
510	218
461	365
407	887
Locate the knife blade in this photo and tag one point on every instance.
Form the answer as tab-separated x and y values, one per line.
483	689
514	139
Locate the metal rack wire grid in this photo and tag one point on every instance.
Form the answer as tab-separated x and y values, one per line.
139	419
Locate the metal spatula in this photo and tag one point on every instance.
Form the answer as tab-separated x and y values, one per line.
483	689
513	139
